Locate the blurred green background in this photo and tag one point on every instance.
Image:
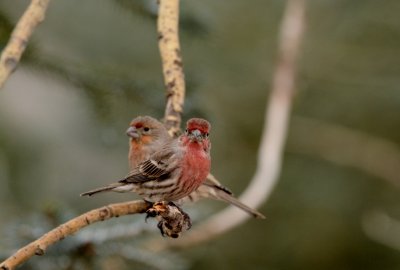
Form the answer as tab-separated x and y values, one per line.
94	65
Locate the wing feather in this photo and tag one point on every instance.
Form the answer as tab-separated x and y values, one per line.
154	168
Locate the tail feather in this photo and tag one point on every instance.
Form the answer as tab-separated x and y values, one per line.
214	183
101	189
218	192
226	197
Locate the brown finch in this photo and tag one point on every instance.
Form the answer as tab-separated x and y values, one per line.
147	135
174	171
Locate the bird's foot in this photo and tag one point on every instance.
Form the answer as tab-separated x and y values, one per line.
172	220
155	210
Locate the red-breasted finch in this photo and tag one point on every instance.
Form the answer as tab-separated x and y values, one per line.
174	171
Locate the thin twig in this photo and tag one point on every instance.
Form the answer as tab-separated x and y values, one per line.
174	79
272	141
39	246
12	53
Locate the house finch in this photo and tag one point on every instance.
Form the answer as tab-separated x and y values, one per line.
174	171
147	135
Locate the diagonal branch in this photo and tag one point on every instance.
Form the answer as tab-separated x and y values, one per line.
12	53
174	79
273	137
39	246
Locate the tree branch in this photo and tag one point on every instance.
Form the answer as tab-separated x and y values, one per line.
174	79
12	53
272	141
39	246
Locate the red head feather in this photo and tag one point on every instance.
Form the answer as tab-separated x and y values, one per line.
198	123
149	121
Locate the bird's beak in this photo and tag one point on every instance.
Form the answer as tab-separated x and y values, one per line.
196	134
132	132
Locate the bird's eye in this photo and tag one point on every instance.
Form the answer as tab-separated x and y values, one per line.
186	131
206	134
146	129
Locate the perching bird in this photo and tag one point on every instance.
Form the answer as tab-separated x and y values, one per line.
174	171
147	135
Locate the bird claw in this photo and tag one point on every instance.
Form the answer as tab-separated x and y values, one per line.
172	220
157	209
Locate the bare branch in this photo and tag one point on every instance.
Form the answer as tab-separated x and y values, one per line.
12	53
39	246
174	79
273	137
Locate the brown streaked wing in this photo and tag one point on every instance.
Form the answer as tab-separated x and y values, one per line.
152	169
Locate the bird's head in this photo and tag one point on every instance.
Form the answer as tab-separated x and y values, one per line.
145	129
197	129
